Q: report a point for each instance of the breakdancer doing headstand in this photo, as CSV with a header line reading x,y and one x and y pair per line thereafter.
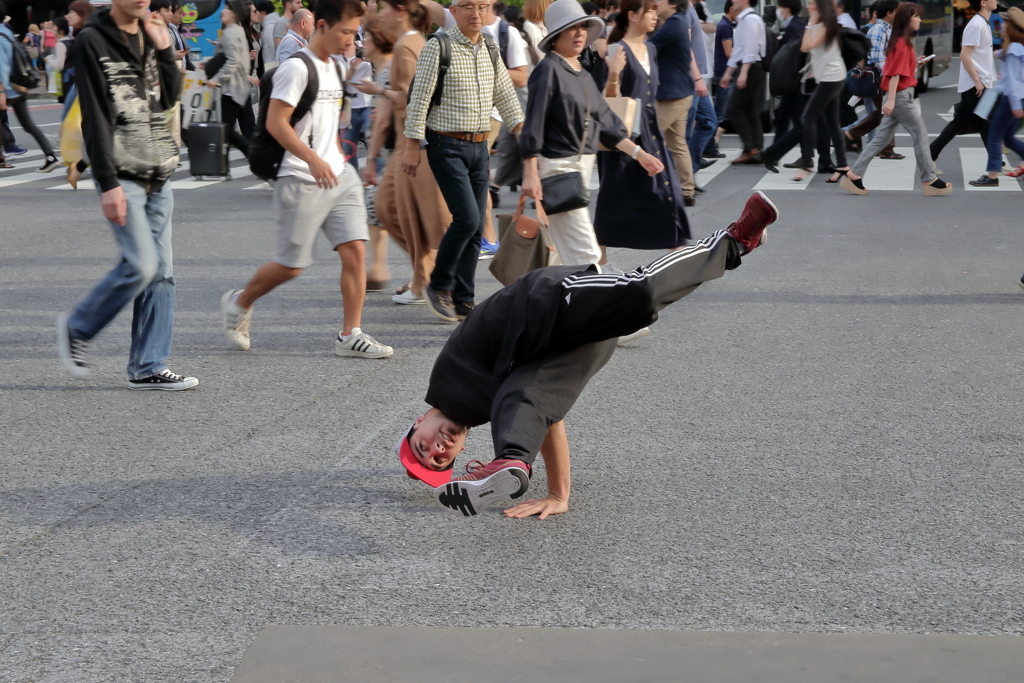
x,y
522,358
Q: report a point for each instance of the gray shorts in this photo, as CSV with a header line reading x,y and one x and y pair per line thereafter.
x,y
303,209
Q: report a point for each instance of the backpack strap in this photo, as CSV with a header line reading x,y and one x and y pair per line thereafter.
x,y
444,62
503,41
492,49
308,99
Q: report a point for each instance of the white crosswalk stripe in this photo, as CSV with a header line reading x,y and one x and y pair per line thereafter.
x,y
889,174
705,176
783,180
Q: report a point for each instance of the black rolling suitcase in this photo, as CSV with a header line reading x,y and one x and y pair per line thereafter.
x,y
208,145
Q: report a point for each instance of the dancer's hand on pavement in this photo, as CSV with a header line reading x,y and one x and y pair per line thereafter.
x,y
322,173
548,505
650,163
115,206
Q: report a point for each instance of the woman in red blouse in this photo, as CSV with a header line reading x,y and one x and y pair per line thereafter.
x,y
898,79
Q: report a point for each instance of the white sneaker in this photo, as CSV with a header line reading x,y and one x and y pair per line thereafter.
x,y
360,345
236,320
407,297
642,332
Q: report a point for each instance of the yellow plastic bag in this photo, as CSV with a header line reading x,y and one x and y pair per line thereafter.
x,y
71,135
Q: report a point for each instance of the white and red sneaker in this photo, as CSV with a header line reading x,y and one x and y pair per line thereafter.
x,y
499,481
749,228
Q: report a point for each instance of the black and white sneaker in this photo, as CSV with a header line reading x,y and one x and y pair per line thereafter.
x,y
71,350
48,165
360,345
165,380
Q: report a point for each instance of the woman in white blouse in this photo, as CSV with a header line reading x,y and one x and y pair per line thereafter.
x,y
535,29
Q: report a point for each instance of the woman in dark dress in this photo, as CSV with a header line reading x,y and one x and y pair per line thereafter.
x,y
634,209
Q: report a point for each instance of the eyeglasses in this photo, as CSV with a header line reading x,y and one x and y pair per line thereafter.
x,y
482,9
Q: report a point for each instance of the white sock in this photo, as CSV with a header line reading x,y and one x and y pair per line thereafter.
x,y
355,330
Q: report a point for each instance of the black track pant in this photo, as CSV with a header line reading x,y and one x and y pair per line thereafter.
x,y
594,311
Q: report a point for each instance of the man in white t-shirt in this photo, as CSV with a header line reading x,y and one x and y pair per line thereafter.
x,y
313,190
977,72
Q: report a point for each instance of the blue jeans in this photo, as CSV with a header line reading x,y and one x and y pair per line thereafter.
x,y
462,171
359,123
145,275
721,100
1001,132
700,128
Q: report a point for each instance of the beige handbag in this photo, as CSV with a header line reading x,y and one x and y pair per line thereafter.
x,y
524,246
626,109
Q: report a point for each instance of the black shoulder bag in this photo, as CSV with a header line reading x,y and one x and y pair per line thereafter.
x,y
567,191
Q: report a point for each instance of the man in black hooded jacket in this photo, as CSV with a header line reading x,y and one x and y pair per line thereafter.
x,y
127,80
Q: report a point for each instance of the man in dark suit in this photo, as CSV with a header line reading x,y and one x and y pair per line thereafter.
x,y
790,106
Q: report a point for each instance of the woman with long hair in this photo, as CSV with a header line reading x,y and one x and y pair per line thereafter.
x,y
378,46
821,40
410,208
235,76
634,209
898,77
559,136
1009,109
534,29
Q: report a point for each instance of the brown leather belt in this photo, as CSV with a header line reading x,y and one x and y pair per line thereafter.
x,y
468,137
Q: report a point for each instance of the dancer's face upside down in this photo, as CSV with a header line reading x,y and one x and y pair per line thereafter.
x,y
436,440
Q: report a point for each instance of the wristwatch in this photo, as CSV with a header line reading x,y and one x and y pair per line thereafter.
x,y
636,152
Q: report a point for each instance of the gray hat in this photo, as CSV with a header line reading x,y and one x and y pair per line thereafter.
x,y
562,14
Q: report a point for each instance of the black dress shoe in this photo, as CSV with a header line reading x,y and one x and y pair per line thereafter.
x,y
770,165
827,169
690,200
698,189
793,164
704,163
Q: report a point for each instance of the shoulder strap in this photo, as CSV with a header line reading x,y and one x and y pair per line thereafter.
x,y
586,121
492,50
503,41
308,98
444,62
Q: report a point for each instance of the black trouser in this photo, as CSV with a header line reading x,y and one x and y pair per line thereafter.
x,y
20,107
594,310
462,171
823,104
230,112
792,137
963,120
744,109
6,136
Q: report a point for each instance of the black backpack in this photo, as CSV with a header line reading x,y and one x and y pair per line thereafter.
x,y
784,78
444,62
265,152
23,77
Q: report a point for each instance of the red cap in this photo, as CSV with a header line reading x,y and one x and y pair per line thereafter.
x,y
415,469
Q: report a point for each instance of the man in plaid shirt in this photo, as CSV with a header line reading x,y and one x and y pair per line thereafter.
x,y
456,135
879,35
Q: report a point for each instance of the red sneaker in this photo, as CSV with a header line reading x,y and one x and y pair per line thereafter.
x,y
496,482
749,228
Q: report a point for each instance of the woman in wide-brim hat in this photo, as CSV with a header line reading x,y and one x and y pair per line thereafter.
x,y
556,118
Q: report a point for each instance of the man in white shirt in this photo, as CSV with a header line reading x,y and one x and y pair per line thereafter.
x,y
842,17
745,100
298,33
977,72
313,190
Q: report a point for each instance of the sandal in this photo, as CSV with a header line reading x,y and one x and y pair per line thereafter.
x,y
803,175
837,176
893,156
4,164
404,288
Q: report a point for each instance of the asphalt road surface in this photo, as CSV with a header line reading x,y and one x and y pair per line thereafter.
x,y
828,439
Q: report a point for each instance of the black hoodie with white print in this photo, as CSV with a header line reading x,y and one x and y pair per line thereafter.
x,y
124,103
